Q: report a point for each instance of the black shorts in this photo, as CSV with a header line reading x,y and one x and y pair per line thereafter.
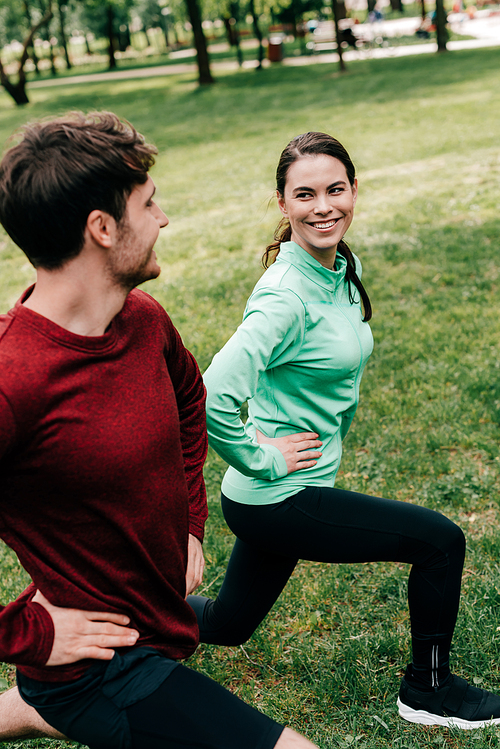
x,y
108,707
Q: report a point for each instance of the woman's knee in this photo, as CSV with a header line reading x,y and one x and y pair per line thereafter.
x,y
446,537
452,535
220,625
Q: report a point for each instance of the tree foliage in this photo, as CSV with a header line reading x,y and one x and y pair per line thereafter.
x,y
116,21
17,89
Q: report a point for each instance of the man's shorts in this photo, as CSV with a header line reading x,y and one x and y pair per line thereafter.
x,y
142,700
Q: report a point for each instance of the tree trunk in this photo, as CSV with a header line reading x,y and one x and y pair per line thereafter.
x,y
257,32
111,37
47,38
34,55
165,29
235,17
63,34
338,36
18,90
441,33
397,5
342,12
53,68
239,54
176,35
123,37
204,74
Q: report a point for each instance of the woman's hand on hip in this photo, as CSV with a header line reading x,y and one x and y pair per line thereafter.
x,y
300,450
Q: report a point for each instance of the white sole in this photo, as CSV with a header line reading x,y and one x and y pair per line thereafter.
x,y
429,719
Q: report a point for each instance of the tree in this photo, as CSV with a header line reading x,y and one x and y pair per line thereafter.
x,y
441,33
18,90
234,9
12,22
104,19
232,30
293,12
62,10
204,74
150,13
110,17
33,55
47,37
338,35
256,31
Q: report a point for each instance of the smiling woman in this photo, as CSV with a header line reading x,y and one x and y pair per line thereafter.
x,y
316,187
318,200
298,358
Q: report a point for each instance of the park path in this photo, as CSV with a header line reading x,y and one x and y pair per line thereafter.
x,y
485,27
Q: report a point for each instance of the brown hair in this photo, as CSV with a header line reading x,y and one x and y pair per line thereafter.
x,y
62,170
312,144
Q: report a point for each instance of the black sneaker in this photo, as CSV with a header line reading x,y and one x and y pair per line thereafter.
x,y
455,704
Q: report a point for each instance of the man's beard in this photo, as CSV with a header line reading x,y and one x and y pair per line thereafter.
x,y
122,264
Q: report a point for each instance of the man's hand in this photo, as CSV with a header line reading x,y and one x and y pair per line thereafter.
x,y
85,634
195,565
299,450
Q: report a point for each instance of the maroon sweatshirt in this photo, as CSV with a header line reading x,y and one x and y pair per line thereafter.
x,y
102,444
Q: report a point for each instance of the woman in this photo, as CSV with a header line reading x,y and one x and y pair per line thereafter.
x,y
297,358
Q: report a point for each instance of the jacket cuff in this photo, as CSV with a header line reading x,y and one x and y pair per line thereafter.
x,y
279,466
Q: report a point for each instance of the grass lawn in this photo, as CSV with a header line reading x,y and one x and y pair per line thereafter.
x,y
425,135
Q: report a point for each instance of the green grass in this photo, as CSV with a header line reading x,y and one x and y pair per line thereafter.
x,y
425,134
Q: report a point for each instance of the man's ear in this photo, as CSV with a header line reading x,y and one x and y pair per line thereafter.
x,y
101,227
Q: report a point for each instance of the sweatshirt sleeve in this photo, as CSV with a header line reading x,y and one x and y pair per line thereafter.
x,y
26,629
26,632
190,396
271,334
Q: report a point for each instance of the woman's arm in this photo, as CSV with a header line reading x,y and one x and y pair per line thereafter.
x,y
271,334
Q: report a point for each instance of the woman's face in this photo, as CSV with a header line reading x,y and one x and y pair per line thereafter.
x,y
319,203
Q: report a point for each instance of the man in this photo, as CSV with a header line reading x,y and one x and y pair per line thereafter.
x,y
102,443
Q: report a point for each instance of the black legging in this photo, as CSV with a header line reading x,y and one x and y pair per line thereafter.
x,y
332,525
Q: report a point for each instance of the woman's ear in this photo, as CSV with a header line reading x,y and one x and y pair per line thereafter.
x,y
281,203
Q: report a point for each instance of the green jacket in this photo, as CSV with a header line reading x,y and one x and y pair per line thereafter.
x,y
297,358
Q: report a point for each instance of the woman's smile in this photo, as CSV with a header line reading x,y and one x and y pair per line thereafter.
x,y
319,202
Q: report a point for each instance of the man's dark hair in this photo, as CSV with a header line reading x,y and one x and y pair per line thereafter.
x,y
61,171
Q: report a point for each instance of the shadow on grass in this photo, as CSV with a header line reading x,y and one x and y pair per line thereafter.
x,y
193,114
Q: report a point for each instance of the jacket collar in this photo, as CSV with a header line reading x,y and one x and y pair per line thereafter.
x,y
292,253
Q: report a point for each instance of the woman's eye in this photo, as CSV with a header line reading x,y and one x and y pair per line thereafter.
x,y
304,195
